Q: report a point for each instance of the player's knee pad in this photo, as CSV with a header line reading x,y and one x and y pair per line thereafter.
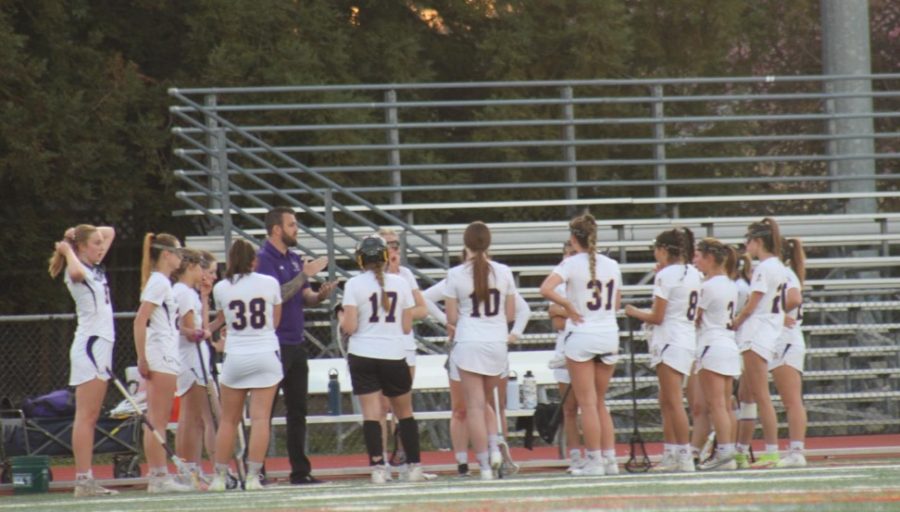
x,y
747,412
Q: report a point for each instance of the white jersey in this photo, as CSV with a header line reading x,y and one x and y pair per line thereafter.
x,y
92,304
718,299
410,278
743,289
249,306
680,286
794,334
161,328
595,300
487,321
188,303
379,332
770,278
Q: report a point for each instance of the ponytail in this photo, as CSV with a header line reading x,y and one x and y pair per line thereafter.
x,y
731,260
768,232
744,268
687,245
794,255
378,269
480,272
189,258
477,239
80,236
678,243
147,259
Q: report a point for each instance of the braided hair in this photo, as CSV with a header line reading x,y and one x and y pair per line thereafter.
x,y
584,229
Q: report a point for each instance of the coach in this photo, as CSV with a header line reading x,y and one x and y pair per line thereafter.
x,y
276,260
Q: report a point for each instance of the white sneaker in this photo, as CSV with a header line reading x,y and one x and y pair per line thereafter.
x,y
414,473
792,460
218,484
592,467
388,472
189,479
720,463
379,474
558,362
576,464
254,483
686,463
88,487
165,483
668,464
496,460
610,466
486,473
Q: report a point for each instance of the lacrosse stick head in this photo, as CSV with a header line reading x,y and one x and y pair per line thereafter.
x,y
638,461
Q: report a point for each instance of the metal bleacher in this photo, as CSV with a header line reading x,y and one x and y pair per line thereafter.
x,y
642,155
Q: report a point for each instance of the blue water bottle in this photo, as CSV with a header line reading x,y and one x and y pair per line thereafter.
x,y
334,393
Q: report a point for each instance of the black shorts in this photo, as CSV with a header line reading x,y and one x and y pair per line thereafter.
x,y
368,375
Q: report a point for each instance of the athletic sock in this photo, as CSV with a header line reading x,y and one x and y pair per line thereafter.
x,y
483,460
669,449
695,452
594,455
409,434
372,437
609,454
462,457
575,454
742,448
253,468
160,471
493,442
725,450
221,469
797,446
772,449
84,476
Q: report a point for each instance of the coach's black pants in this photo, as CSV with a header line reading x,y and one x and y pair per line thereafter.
x,y
294,387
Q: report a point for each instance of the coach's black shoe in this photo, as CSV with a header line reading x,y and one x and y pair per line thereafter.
x,y
462,470
306,480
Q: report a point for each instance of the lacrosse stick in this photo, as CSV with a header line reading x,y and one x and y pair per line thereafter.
x,y
508,466
182,468
638,461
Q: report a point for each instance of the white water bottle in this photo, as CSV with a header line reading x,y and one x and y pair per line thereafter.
x,y
512,392
529,391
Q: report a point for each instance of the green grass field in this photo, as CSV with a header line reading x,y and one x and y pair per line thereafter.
x,y
867,486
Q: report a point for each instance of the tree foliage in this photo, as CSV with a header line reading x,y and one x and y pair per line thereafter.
x,y
84,126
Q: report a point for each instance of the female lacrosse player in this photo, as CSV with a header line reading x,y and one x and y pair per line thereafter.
x,y
718,359
421,311
558,317
156,344
249,304
377,313
80,253
459,433
480,300
191,386
592,299
676,296
790,351
759,325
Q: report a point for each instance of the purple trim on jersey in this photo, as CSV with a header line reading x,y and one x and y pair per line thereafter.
x,y
284,267
89,348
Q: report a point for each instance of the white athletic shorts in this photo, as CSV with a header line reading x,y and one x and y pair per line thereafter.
x,y
82,356
678,358
758,336
720,359
790,354
252,371
561,375
583,347
411,357
480,357
187,377
162,357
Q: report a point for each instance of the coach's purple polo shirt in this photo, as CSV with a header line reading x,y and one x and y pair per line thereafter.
x,y
284,267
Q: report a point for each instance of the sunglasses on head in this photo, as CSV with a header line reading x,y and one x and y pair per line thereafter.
x,y
393,244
